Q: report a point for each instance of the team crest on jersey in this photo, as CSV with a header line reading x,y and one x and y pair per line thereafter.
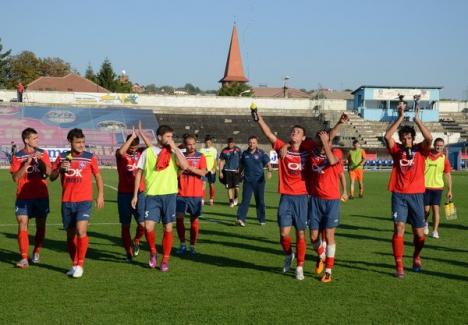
x,y
82,164
319,163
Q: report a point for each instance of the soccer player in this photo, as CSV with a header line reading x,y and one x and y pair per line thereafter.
x,y
189,198
326,176
292,210
158,167
356,161
229,170
437,165
407,186
211,155
252,163
127,157
30,168
76,168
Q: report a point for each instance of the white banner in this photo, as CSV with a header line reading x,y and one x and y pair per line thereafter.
x,y
273,157
55,152
392,94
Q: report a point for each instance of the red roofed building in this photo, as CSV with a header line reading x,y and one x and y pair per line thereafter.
x,y
234,72
279,92
70,82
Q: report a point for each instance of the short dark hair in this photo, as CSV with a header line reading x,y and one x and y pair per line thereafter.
x,y
252,137
229,140
26,133
297,126
189,136
208,138
163,129
135,141
75,133
355,141
439,140
407,129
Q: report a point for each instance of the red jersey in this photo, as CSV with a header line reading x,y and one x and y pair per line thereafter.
x,y
127,165
77,182
408,174
32,185
324,180
291,178
191,185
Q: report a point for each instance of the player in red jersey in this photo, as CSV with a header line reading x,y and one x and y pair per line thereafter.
x,y
127,157
76,168
190,195
30,168
326,176
407,185
292,210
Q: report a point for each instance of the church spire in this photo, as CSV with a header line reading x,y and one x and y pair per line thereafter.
x,y
234,72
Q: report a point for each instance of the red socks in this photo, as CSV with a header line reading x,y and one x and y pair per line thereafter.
x,y
418,245
82,247
23,243
180,229
212,192
194,228
140,231
330,260
286,244
39,239
150,238
398,248
72,244
126,239
167,246
300,249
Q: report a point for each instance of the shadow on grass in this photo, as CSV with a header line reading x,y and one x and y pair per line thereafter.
x,y
354,227
235,235
10,257
437,259
371,217
223,261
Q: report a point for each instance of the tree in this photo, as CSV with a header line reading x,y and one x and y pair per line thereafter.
x,y
54,67
89,74
235,89
4,58
24,67
106,76
151,89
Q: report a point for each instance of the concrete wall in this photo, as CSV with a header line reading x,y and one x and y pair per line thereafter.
x,y
173,104
452,106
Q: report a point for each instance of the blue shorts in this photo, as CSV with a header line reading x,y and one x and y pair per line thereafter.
x,y
210,178
32,208
323,214
124,205
432,197
160,208
189,205
408,208
292,211
72,212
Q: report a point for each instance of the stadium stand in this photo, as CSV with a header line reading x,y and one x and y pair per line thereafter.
x,y
455,122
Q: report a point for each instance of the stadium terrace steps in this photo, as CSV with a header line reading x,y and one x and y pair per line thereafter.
x,y
231,111
240,127
369,133
455,122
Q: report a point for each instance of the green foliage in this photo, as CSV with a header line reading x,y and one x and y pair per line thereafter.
x,y
54,67
89,73
106,77
4,71
235,89
236,277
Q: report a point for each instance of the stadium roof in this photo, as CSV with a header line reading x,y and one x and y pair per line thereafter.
x,y
398,87
70,82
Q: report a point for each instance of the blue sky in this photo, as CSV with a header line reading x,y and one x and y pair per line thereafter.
x,y
337,44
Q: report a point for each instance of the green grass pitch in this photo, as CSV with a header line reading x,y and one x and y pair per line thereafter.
x,y
237,277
